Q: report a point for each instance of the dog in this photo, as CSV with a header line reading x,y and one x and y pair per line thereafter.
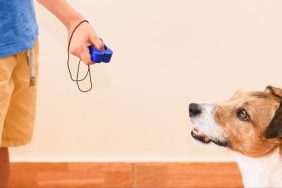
x,y
250,125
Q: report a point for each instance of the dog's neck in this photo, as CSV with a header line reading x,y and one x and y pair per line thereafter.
x,y
261,172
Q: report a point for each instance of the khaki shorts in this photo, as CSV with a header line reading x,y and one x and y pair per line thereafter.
x,y
17,99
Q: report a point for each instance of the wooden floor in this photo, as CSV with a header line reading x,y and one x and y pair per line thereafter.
x,y
125,175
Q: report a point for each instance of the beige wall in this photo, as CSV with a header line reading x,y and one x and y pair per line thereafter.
x,y
167,54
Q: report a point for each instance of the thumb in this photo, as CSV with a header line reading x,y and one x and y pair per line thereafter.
x,y
97,43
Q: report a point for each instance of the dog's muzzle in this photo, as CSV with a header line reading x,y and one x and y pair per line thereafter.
x,y
196,111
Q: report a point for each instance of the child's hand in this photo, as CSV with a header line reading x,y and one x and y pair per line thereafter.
x,y
83,37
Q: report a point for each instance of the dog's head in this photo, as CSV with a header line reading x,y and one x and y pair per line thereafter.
x,y
249,122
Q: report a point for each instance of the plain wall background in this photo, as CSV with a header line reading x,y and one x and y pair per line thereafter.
x,y
167,53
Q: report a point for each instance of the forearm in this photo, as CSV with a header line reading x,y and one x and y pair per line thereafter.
x,y
63,11
85,34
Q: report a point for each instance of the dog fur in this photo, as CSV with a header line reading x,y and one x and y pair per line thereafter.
x,y
250,125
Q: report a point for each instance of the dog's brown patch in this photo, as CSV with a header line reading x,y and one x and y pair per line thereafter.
x,y
274,91
248,136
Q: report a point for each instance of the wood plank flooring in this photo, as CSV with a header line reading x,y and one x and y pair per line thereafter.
x,y
125,175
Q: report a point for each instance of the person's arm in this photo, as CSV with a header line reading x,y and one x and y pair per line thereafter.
x,y
84,35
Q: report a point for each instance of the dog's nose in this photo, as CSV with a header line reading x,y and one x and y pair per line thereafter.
x,y
194,109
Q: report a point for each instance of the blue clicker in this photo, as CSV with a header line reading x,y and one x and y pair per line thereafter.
x,y
98,56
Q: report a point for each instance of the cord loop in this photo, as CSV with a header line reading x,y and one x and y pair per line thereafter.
x,y
88,71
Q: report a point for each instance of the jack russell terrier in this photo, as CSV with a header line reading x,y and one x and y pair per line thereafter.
x,y
250,125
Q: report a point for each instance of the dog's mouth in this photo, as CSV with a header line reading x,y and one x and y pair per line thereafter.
x,y
198,135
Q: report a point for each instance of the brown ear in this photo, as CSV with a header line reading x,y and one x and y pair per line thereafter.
x,y
274,91
274,129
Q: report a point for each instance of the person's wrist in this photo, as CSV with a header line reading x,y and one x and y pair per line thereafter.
x,y
73,23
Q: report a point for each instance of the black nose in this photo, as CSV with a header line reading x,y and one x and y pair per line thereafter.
x,y
194,109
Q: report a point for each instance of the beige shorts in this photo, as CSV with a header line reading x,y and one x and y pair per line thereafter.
x,y
17,98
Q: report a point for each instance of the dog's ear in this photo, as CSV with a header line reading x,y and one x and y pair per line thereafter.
x,y
274,129
274,91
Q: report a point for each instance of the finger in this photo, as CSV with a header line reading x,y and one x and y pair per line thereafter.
x,y
85,56
97,43
75,51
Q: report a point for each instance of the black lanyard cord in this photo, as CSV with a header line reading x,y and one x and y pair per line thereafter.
x,y
77,80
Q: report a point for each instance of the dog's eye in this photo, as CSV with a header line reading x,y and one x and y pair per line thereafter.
x,y
243,115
